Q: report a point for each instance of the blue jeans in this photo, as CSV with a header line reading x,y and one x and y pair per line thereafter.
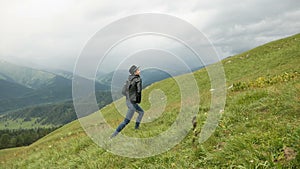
x,y
132,107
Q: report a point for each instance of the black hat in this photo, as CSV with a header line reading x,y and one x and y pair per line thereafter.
x,y
132,69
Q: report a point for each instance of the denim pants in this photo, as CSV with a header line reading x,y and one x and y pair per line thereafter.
x,y
132,107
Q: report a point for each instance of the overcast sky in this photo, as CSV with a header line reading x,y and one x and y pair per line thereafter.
x,y
52,33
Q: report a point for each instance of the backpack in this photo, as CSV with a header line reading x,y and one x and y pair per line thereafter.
x,y
126,87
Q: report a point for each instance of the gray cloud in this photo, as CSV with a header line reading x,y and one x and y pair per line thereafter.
x,y
243,25
53,33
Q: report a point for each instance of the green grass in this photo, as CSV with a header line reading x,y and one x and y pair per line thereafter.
x,y
259,127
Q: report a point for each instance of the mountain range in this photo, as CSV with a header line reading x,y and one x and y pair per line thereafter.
x,y
43,96
23,87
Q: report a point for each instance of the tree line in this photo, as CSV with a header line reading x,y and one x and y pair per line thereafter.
x,y
22,137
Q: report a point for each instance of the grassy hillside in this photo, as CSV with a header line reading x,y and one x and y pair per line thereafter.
x,y
259,127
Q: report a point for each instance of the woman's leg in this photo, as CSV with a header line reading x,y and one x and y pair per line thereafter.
x,y
140,111
130,112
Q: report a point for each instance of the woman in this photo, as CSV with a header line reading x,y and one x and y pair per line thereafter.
x,y
133,98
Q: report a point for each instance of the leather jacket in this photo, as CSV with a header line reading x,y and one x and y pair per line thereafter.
x,y
135,89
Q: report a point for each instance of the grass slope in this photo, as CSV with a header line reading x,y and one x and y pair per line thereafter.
x,y
259,127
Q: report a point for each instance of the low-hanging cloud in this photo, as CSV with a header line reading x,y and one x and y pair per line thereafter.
x,y
53,33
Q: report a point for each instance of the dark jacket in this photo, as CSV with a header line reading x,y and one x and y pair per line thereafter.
x,y
135,89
